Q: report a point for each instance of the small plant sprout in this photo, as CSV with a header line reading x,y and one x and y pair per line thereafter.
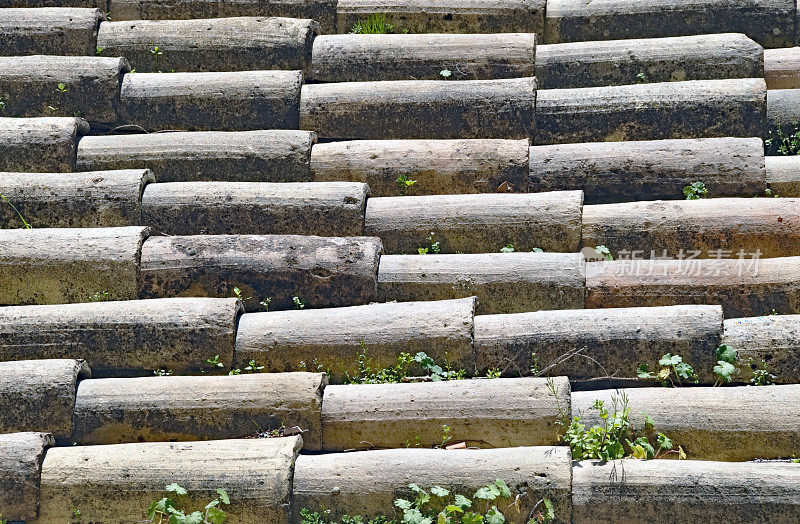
x,y
779,144
157,53
99,50
489,505
432,247
493,373
251,367
162,372
534,364
375,24
603,252
672,366
509,248
445,73
434,371
324,517
299,303
168,510
446,435
398,372
695,191
62,88
725,367
537,250
215,362
404,183
641,78
2,110
238,294
102,296
761,375
25,223
484,507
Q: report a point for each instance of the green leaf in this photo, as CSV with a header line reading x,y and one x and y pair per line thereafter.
x,y
194,518
493,516
724,370
615,450
727,354
216,516
670,360
684,370
424,360
664,441
440,491
644,443
603,252
176,489
642,372
503,487
471,518
452,509
488,492
212,504
414,516
159,506
403,504
223,496
638,452
462,501
549,510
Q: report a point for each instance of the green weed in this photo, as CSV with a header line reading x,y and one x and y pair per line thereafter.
x,y
251,367
404,183
238,294
168,510
604,252
726,364
671,366
102,296
484,507
25,223
779,144
375,24
695,191
761,375
615,438
433,246
398,372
